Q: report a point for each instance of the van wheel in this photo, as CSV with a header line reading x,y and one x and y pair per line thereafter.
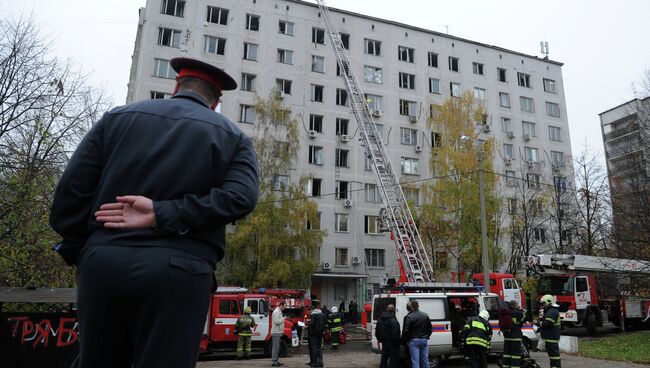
x,y
284,348
435,361
590,323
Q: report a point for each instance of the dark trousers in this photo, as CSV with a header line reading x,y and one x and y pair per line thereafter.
x,y
511,353
336,336
315,344
141,306
389,354
553,351
477,357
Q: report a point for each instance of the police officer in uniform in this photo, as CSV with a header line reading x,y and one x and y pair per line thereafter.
x,y
512,337
142,207
550,326
244,330
334,324
479,334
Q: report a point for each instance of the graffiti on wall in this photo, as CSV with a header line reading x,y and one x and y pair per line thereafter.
x,y
37,330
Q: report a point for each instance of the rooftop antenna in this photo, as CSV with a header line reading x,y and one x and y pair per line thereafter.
x,y
544,48
446,27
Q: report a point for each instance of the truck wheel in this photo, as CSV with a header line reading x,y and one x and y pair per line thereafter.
x,y
435,361
590,322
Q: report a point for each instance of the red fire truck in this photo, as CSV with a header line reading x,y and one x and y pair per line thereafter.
x,y
226,305
503,284
594,290
298,307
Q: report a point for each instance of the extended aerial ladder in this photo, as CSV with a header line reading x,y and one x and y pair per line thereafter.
x,y
415,265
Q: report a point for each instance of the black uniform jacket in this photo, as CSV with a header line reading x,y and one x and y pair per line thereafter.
x,y
197,166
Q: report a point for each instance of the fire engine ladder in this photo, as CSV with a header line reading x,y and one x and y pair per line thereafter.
x,y
414,262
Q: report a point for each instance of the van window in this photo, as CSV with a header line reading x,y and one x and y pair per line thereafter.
x,y
434,307
254,305
380,307
228,306
466,306
491,304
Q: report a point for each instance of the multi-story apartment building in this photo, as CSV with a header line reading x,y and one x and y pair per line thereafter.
x,y
283,44
626,138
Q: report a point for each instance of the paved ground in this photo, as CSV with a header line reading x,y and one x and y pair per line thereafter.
x,y
358,354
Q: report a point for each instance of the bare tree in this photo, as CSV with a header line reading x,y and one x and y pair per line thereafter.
x,y
45,109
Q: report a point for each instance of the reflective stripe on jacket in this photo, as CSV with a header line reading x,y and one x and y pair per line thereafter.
x,y
550,325
480,332
244,325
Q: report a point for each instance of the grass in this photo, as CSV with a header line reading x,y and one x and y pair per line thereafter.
x,y
629,347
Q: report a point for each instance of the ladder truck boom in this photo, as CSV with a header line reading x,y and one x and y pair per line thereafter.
x,y
576,262
415,266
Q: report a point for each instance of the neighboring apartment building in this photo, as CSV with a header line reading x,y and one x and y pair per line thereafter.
x,y
626,137
283,44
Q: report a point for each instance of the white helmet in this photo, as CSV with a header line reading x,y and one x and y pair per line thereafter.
x,y
335,310
484,314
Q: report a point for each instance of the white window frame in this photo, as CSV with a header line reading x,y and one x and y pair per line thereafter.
x,y
410,166
283,85
523,79
375,102
289,27
315,155
506,125
280,183
285,56
504,99
341,97
532,154
455,89
373,74
342,189
508,150
342,158
557,158
555,133
250,25
406,54
221,16
173,38
213,44
549,85
527,104
341,222
179,7
246,114
371,193
480,93
406,80
372,47
432,59
408,136
316,35
552,109
250,51
375,258
434,85
454,64
248,82
317,64
162,69
528,127
478,68
371,225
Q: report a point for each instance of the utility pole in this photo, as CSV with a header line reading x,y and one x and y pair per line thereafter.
x,y
486,268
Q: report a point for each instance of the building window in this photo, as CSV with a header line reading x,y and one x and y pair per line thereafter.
x,y
557,158
508,150
341,254
406,81
372,47
566,236
527,104
531,154
554,133
409,136
405,54
511,181
283,85
345,40
214,45
173,7
433,59
162,69
523,79
408,108
341,224
560,183
286,28
280,183
372,74
453,63
412,196
506,125
252,22
501,73
552,109
285,56
371,225
549,86
477,68
342,126
341,97
367,163
342,189
375,102
317,64
250,51
434,85
504,99
155,95
512,206
342,158
169,37
375,258
317,93
480,94
454,89
435,139
217,15
316,123
532,180
540,235
372,194
314,187
529,128
314,225
248,82
246,114
410,166
316,155
318,35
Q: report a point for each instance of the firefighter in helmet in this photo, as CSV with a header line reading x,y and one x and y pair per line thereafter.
x,y
334,324
479,334
550,329
244,330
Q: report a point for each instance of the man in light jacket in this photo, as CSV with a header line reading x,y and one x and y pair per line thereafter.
x,y
276,332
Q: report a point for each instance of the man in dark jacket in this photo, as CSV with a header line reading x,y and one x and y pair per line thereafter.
x,y
415,333
479,334
550,326
388,334
316,328
142,208
512,337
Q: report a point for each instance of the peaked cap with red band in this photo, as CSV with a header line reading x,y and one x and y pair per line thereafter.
x,y
186,67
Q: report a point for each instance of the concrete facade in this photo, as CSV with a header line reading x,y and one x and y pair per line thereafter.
x,y
354,277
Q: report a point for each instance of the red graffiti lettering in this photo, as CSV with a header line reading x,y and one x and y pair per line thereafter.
x,y
28,328
43,333
69,332
17,321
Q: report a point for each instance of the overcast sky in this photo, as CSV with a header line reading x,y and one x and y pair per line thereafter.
x,y
604,45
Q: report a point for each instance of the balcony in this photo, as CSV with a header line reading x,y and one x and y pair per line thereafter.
x,y
619,132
